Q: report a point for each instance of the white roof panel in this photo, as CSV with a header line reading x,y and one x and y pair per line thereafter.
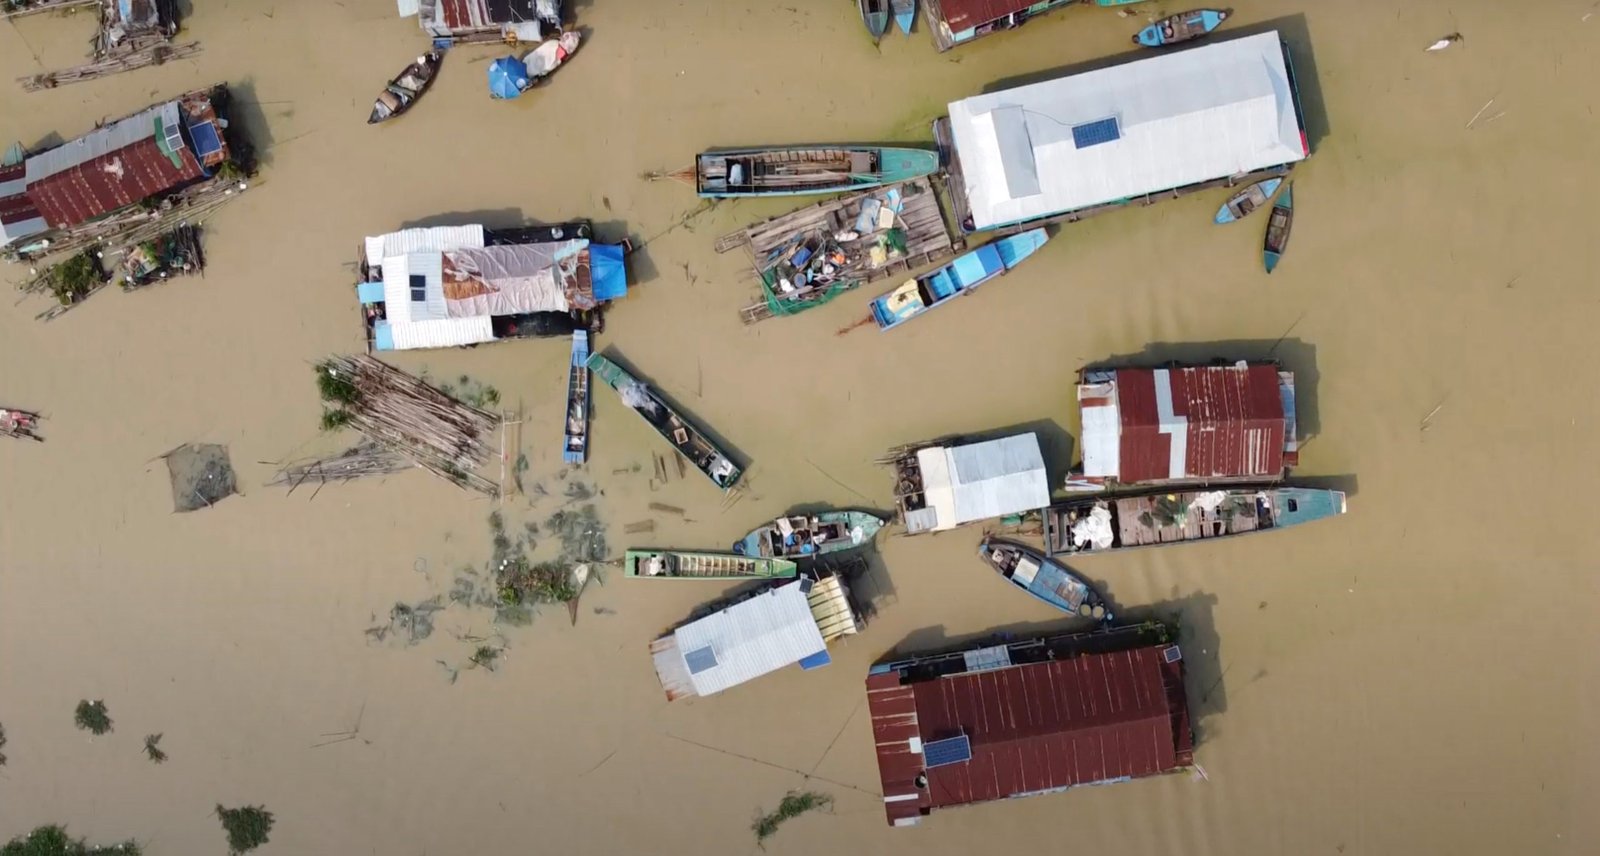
x,y
435,238
1102,430
1181,118
980,481
441,333
749,639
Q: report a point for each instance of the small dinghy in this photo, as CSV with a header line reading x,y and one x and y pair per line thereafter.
x,y
1245,202
22,424
1277,240
1181,27
875,14
905,14
404,90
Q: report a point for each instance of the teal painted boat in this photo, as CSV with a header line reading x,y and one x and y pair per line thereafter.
x,y
875,14
905,14
685,565
962,276
1044,579
803,170
1278,225
1151,519
1245,202
691,442
1181,27
806,536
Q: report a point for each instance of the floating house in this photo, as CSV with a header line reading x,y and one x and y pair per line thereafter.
x,y
774,627
1028,718
485,21
956,22
947,483
1224,114
451,286
1188,424
156,151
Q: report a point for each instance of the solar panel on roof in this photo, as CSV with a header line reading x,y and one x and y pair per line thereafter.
x,y
1095,133
206,141
700,659
952,750
1172,654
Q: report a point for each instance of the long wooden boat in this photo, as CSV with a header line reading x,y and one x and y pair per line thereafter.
x,y
905,14
404,90
1181,27
805,536
875,14
1101,524
1278,225
682,565
690,441
21,424
575,450
1246,201
801,170
1044,578
961,276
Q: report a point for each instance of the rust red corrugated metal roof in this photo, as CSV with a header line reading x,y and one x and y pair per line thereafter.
x,y
1034,727
111,181
1230,420
965,14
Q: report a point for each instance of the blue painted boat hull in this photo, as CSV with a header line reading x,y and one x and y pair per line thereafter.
x,y
575,443
1246,201
1181,27
876,17
1044,579
905,14
961,276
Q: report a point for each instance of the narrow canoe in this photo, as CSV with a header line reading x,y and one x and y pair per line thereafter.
x,y
802,170
875,14
1102,524
22,424
905,14
961,276
1044,578
404,90
679,564
575,449
691,442
811,535
1245,202
1181,27
1278,225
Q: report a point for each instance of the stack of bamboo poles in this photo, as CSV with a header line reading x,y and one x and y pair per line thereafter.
x,y
444,436
114,62
367,458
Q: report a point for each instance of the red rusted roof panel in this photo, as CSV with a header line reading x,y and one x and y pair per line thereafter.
x,y
1229,419
111,181
1033,727
965,14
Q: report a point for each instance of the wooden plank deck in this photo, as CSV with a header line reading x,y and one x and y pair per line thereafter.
x,y
929,238
1197,524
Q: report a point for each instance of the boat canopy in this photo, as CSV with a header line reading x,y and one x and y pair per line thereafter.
x,y
607,271
979,481
1126,131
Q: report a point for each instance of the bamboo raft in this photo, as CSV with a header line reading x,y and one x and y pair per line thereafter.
x,y
41,6
122,60
441,434
367,458
928,237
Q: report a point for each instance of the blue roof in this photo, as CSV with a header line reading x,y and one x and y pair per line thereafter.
x,y
206,139
953,750
607,272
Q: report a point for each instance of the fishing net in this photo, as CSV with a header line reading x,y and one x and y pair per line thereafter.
x,y
201,475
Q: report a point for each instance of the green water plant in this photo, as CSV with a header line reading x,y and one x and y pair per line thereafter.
x,y
794,804
92,717
152,749
247,827
53,840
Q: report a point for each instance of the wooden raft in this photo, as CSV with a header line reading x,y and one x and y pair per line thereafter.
x,y
928,237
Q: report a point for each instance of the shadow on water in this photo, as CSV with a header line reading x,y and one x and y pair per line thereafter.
x,y
1295,355
1194,615
250,132
490,218
733,452
181,11
1346,482
1291,28
48,141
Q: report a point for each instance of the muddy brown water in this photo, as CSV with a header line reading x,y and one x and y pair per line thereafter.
x,y
1415,677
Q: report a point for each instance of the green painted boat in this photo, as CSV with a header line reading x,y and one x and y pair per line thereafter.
x,y
805,536
683,565
690,441
803,170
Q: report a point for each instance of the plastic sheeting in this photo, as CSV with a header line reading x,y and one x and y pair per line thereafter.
x,y
1094,529
608,271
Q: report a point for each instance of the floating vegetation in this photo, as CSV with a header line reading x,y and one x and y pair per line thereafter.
x,y
54,841
582,534
480,395
484,657
410,622
91,716
152,750
578,491
2,745
522,582
247,827
794,804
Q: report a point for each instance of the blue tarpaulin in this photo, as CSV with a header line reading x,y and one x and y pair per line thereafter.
x,y
507,77
608,272
369,292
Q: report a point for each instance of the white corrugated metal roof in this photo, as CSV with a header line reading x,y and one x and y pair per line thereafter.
x,y
101,141
439,238
442,333
1181,118
980,481
1102,429
749,639
398,305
